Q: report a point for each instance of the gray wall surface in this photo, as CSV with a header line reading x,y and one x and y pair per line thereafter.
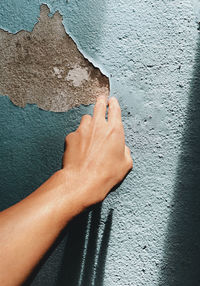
x,y
147,231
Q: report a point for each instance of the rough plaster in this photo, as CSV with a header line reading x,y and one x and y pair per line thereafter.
x,y
151,50
45,67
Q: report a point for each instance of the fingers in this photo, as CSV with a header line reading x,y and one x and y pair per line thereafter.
x,y
114,111
85,124
128,156
85,120
100,108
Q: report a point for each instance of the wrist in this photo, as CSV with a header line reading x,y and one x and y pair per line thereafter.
x,y
83,188
58,198
70,193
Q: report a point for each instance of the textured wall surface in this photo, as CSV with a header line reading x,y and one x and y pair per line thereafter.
x,y
147,232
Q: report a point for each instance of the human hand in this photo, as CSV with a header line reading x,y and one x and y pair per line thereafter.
x,y
95,160
96,157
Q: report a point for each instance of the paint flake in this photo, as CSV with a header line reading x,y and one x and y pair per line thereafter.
x,y
45,67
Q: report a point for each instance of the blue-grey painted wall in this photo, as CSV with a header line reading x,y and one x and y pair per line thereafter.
x,y
147,232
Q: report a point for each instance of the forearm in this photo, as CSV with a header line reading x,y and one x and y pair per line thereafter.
x,y
30,227
96,159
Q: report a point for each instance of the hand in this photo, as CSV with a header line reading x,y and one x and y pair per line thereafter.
x,y
96,157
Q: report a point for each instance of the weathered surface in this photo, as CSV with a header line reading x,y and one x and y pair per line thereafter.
x,y
45,67
152,51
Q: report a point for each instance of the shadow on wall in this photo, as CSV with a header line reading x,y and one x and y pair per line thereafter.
x,y
81,264
78,266
181,262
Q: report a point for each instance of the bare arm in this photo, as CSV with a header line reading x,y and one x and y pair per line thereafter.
x,y
96,159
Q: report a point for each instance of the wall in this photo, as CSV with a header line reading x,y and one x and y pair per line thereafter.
x,y
147,231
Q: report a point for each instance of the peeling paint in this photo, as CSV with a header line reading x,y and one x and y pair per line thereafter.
x,y
78,75
45,67
149,49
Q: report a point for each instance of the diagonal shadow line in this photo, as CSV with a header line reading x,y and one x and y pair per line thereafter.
x,y
88,270
181,259
100,268
74,260
73,253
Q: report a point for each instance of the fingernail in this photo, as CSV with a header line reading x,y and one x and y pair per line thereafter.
x,y
101,97
112,98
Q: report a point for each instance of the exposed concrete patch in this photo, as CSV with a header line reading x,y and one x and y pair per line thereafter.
x,y
78,75
45,67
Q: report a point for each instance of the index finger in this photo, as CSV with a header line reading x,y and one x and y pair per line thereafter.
x,y
100,107
114,110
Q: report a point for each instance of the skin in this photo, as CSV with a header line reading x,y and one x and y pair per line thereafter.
x,y
95,160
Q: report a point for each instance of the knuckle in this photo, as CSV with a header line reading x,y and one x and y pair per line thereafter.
x,y
81,130
85,120
86,116
130,163
69,136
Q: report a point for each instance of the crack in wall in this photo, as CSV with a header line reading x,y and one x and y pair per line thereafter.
x,y
46,68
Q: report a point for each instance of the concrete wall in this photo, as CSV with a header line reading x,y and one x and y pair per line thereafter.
x,y
147,232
